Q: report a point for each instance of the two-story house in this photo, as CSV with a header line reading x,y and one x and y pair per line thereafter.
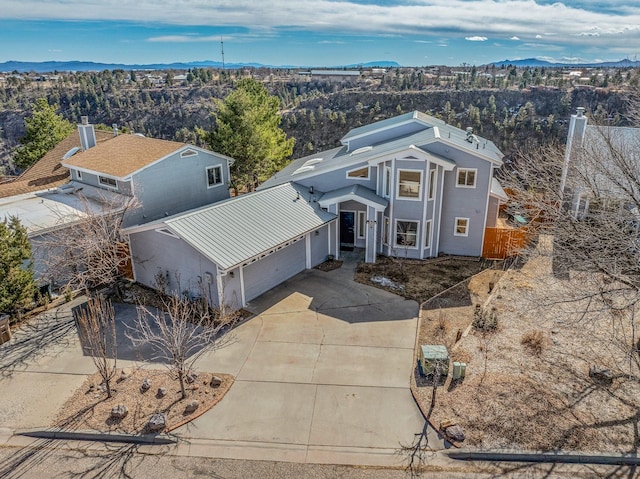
x,y
101,170
410,186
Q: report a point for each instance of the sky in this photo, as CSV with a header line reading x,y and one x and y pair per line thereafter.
x,y
320,33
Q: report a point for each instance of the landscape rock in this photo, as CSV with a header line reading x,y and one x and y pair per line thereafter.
x,y
215,382
157,422
146,384
191,406
123,375
454,433
119,412
162,392
601,374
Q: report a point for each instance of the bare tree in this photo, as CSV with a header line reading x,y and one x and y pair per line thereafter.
x,y
88,250
182,332
589,227
97,325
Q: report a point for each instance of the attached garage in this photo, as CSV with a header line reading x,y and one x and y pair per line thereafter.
x,y
256,241
265,273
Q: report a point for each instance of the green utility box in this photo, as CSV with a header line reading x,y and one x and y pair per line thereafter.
x,y
433,354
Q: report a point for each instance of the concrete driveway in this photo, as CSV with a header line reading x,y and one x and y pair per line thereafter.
x,y
322,376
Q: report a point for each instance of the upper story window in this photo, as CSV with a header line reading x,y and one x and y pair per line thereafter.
x,y
359,174
466,178
106,181
387,182
188,152
409,184
214,176
79,174
432,184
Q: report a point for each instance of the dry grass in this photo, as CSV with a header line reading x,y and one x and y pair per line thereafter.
x,y
527,383
421,280
90,409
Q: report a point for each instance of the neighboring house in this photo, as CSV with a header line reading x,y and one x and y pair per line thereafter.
x,y
410,186
47,172
165,177
602,164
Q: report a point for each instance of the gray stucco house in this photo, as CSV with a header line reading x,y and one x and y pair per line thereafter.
x,y
409,186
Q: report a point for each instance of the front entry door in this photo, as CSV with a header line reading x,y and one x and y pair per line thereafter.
x,y
347,229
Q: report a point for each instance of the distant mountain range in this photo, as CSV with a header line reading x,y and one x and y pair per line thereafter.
x,y
80,66
534,62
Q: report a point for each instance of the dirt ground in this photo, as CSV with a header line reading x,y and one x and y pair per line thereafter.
x,y
90,409
527,383
420,280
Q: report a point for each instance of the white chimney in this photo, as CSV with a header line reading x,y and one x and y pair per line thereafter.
x,y
87,134
577,129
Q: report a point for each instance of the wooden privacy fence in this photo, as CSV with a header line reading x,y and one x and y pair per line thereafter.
x,y
502,243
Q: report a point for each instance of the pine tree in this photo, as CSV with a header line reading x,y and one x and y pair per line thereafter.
x,y
247,128
17,286
45,129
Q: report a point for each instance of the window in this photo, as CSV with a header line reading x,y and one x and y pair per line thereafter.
x,y
406,233
359,174
387,182
187,153
79,174
362,224
466,178
427,234
110,182
214,176
409,183
461,227
432,184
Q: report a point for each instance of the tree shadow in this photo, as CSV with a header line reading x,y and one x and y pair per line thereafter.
x,y
34,339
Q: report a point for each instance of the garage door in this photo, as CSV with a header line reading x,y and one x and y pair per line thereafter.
x,y
272,270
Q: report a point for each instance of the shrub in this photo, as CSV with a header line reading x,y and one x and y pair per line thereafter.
x,y
485,320
535,341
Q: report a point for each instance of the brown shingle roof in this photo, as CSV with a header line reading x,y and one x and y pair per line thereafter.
x,y
47,172
123,155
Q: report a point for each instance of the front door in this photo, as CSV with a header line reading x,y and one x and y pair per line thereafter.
x,y
347,229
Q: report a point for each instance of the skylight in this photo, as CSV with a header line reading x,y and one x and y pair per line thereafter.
x,y
361,150
303,169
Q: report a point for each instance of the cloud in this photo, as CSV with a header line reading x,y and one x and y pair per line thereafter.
x,y
331,42
183,39
423,41
476,39
514,38
54,50
618,22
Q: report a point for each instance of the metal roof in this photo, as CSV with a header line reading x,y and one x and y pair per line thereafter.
x,y
47,210
236,230
357,193
435,131
497,190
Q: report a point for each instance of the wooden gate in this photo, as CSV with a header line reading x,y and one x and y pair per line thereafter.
x,y
502,243
125,265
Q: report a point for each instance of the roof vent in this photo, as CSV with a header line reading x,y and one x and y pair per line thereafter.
x,y
115,129
470,136
139,134
312,161
361,150
303,169
70,153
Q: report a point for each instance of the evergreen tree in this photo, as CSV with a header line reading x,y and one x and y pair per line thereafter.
x,y
17,287
45,129
247,128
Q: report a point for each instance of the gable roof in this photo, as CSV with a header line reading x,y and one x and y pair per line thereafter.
x,y
421,142
422,121
48,172
237,230
123,155
354,192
